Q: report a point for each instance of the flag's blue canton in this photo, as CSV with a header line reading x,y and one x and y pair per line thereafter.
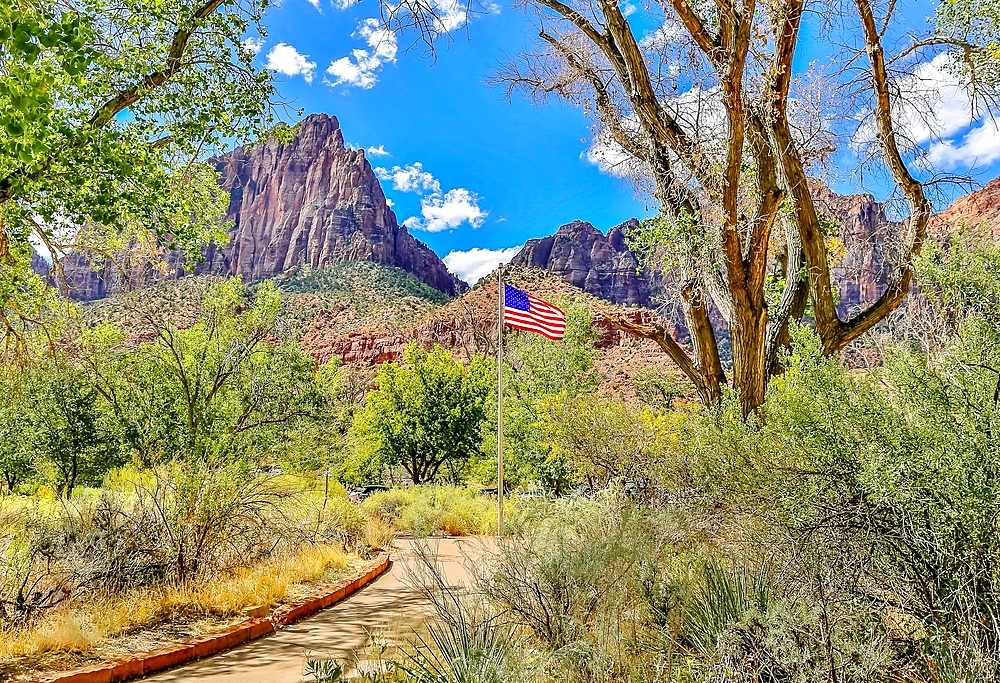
x,y
515,298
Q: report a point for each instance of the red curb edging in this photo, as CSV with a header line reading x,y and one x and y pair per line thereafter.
x,y
159,660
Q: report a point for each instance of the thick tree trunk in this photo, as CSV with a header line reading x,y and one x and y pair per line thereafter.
x,y
748,334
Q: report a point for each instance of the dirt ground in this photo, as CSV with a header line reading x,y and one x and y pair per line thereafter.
x,y
389,606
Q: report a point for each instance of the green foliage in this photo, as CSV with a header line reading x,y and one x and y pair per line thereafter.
x,y
324,670
224,387
66,434
975,23
670,245
535,368
963,279
318,444
381,284
444,511
722,599
603,439
573,571
424,415
657,389
890,476
101,125
16,463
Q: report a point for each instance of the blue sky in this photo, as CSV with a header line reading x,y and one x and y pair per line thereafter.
x,y
474,175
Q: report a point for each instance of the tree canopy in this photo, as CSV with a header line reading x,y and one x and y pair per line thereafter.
x,y
425,414
107,109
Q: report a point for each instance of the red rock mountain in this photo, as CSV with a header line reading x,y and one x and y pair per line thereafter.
x,y
599,264
467,325
310,202
977,208
604,266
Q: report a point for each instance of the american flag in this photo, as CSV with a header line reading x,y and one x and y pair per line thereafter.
x,y
525,312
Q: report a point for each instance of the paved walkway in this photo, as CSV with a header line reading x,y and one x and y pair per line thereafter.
x,y
389,604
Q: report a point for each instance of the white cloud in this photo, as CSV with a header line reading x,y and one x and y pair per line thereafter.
x,y
360,69
341,4
933,111
439,210
253,44
447,211
451,14
698,111
379,151
933,103
668,32
476,263
411,178
315,3
609,156
286,60
979,147
628,9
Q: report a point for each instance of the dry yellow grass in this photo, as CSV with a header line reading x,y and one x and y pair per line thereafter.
x,y
87,623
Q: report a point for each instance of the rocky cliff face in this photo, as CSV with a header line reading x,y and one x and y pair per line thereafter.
x,y
40,266
604,266
977,208
859,264
309,202
599,264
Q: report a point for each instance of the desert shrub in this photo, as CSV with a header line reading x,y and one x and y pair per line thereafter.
x,y
212,518
605,439
885,481
899,476
29,584
180,524
444,510
346,522
572,570
439,510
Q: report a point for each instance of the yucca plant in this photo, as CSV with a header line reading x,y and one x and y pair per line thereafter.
x,y
461,651
324,671
465,642
722,599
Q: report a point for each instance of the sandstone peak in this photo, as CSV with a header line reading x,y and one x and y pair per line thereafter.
x,y
981,207
309,202
599,264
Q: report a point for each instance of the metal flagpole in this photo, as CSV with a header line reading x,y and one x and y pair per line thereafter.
x,y
500,401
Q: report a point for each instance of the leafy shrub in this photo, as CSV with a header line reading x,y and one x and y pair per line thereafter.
x,y
437,510
572,570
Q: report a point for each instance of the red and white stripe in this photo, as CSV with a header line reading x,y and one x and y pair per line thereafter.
x,y
544,318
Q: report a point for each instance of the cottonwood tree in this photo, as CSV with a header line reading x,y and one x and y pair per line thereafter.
x,y
424,415
105,108
225,387
711,113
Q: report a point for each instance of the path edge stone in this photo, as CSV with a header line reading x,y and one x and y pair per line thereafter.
x,y
135,666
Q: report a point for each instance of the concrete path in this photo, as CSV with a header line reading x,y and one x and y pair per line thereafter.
x,y
389,605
